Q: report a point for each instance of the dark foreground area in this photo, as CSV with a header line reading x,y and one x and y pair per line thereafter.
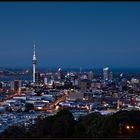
x,y
123,124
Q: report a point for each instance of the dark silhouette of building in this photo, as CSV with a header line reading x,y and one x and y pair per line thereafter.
x,y
37,78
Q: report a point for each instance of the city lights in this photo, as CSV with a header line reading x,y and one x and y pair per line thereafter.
x,y
127,127
70,70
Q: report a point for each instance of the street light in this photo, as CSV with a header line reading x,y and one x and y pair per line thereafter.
x,y
127,127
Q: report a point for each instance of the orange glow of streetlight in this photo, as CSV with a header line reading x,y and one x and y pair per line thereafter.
x,y
127,127
57,107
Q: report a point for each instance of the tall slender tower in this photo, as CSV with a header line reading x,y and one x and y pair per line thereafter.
x,y
34,60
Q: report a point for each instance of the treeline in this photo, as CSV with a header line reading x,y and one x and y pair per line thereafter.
x,y
123,124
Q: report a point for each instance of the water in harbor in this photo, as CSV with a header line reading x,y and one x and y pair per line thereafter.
x,y
17,77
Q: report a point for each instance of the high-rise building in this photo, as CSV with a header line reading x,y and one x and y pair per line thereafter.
x,y
106,73
37,77
16,85
60,74
85,84
111,76
34,60
45,80
90,75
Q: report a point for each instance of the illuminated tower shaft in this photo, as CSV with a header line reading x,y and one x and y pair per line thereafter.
x,y
34,60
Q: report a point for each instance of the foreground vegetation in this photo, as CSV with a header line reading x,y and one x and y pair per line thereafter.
x,y
123,124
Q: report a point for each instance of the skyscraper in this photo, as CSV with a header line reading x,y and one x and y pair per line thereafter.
x,y
37,77
16,85
34,60
106,73
60,74
111,76
90,75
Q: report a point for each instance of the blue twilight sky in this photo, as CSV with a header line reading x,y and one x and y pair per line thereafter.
x,y
70,34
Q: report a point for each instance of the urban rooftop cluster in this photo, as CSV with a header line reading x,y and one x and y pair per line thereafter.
x,y
22,101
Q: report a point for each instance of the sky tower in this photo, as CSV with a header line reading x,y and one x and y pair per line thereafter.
x,y
34,63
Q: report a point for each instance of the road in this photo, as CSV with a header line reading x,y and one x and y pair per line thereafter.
x,y
51,107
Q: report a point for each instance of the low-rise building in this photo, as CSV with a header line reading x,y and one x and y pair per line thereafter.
x,y
75,95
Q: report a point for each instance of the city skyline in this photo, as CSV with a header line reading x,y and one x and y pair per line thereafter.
x,y
70,34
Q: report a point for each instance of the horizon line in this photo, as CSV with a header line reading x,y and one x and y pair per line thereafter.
x,y
56,67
